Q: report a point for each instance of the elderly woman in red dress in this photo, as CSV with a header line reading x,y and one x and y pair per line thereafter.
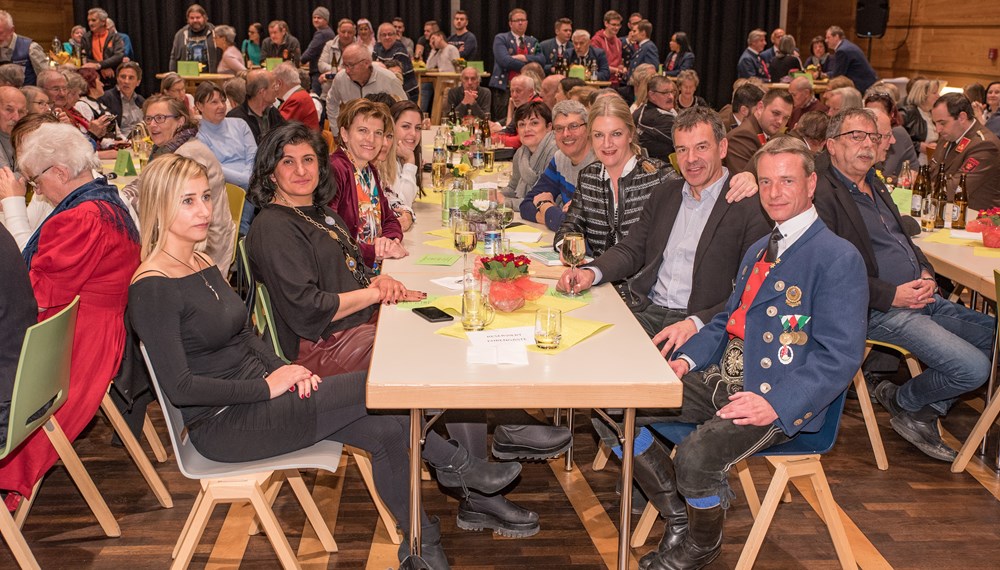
x,y
88,246
360,199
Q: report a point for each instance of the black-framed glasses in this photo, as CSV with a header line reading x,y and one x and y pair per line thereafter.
x,y
158,119
33,181
668,92
859,136
572,127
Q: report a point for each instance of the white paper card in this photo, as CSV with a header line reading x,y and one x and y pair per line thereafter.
x,y
513,336
962,234
449,283
523,237
516,355
484,185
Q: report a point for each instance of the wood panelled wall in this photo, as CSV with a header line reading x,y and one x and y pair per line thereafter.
x,y
41,20
947,39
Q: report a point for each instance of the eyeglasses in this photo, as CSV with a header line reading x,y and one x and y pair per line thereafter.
x,y
859,136
58,89
572,127
33,181
667,92
158,119
353,64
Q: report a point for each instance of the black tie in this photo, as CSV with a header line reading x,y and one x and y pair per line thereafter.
x,y
772,246
520,43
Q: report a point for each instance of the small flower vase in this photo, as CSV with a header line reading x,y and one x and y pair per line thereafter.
x,y
506,296
991,236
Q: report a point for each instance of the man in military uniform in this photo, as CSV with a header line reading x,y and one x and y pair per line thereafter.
x,y
767,120
511,51
767,367
967,147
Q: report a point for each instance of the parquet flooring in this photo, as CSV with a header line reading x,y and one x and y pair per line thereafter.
x,y
915,515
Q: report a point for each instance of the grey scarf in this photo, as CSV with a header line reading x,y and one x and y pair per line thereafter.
x,y
528,167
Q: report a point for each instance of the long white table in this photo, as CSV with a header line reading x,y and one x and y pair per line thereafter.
x,y
413,368
958,263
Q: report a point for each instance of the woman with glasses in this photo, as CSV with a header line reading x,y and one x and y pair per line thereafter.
x,y
19,217
89,247
538,146
174,132
361,200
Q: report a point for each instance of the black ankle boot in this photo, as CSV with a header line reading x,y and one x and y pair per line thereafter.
x,y
653,470
431,552
466,471
505,518
700,547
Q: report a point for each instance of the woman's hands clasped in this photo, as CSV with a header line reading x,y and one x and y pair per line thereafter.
x,y
290,378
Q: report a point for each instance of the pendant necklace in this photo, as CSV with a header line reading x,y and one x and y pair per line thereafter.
x,y
197,272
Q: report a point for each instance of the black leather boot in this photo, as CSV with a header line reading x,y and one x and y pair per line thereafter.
x,y
466,471
653,470
432,553
700,547
505,518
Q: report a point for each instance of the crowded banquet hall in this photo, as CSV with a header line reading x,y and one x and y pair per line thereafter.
x,y
623,284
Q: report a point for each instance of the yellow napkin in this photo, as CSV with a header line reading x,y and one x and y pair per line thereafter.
x,y
441,233
944,237
983,251
430,197
574,331
564,304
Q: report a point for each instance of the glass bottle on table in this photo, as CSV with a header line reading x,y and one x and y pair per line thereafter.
x,y
960,205
919,192
439,162
573,251
940,198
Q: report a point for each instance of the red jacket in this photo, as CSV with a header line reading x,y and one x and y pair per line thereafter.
x,y
300,107
345,203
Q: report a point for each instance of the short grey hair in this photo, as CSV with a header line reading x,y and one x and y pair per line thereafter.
x,y
12,74
101,14
786,145
76,82
693,116
755,35
569,107
837,122
32,92
57,144
581,33
226,32
257,81
287,74
6,19
851,98
43,78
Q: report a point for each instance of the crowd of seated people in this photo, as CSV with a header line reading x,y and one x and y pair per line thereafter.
x,y
328,141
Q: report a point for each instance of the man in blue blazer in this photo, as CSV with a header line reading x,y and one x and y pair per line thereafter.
x,y
849,60
585,54
647,52
767,367
750,63
559,46
511,51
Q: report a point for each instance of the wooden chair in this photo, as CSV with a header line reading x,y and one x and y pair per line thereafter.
x,y
264,322
798,458
42,379
244,482
989,415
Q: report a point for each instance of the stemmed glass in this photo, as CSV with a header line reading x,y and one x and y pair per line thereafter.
x,y
506,215
465,240
141,143
573,252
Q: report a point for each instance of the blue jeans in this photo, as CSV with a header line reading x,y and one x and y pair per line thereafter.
x,y
953,342
427,97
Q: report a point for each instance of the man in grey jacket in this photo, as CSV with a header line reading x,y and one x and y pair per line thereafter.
x,y
196,41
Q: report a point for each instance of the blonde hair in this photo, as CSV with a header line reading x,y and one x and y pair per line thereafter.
x,y
388,169
920,89
640,81
617,108
161,183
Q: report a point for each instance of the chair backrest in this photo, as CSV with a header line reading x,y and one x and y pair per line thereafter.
x,y
42,377
264,316
237,196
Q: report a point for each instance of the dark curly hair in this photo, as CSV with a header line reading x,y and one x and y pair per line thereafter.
x,y
272,149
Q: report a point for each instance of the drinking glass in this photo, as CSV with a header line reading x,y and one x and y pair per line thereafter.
x,y
477,313
488,162
506,215
573,252
548,328
465,239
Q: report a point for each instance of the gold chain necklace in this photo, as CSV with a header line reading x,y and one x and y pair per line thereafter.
x,y
349,258
197,272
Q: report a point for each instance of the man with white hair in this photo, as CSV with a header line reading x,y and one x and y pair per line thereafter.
x,y
296,104
389,48
258,108
469,98
21,50
842,99
803,100
591,57
103,49
13,106
522,90
750,63
359,78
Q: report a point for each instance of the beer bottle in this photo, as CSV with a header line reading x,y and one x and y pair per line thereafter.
x,y
940,199
961,205
919,192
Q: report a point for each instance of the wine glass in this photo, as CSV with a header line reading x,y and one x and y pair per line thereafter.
x,y
465,239
506,215
142,145
573,251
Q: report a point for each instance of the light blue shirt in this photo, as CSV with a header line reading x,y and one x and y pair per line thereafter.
x,y
232,143
673,280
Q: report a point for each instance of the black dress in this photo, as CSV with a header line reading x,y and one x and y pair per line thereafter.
x,y
18,311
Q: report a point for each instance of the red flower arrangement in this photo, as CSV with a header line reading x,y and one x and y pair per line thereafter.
x,y
988,223
510,285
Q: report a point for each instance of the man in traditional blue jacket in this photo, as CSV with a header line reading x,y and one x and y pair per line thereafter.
x,y
511,51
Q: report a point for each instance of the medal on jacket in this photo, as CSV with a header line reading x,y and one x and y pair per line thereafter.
x,y
792,325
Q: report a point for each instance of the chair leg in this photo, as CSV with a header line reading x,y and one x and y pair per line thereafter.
x,y
913,365
187,524
749,489
644,526
365,467
425,474
197,521
763,520
25,507
871,423
979,431
831,516
11,533
273,529
312,511
80,476
136,452
159,452
601,459
273,489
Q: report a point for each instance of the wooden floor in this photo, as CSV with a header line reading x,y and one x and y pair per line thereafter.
x,y
916,515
